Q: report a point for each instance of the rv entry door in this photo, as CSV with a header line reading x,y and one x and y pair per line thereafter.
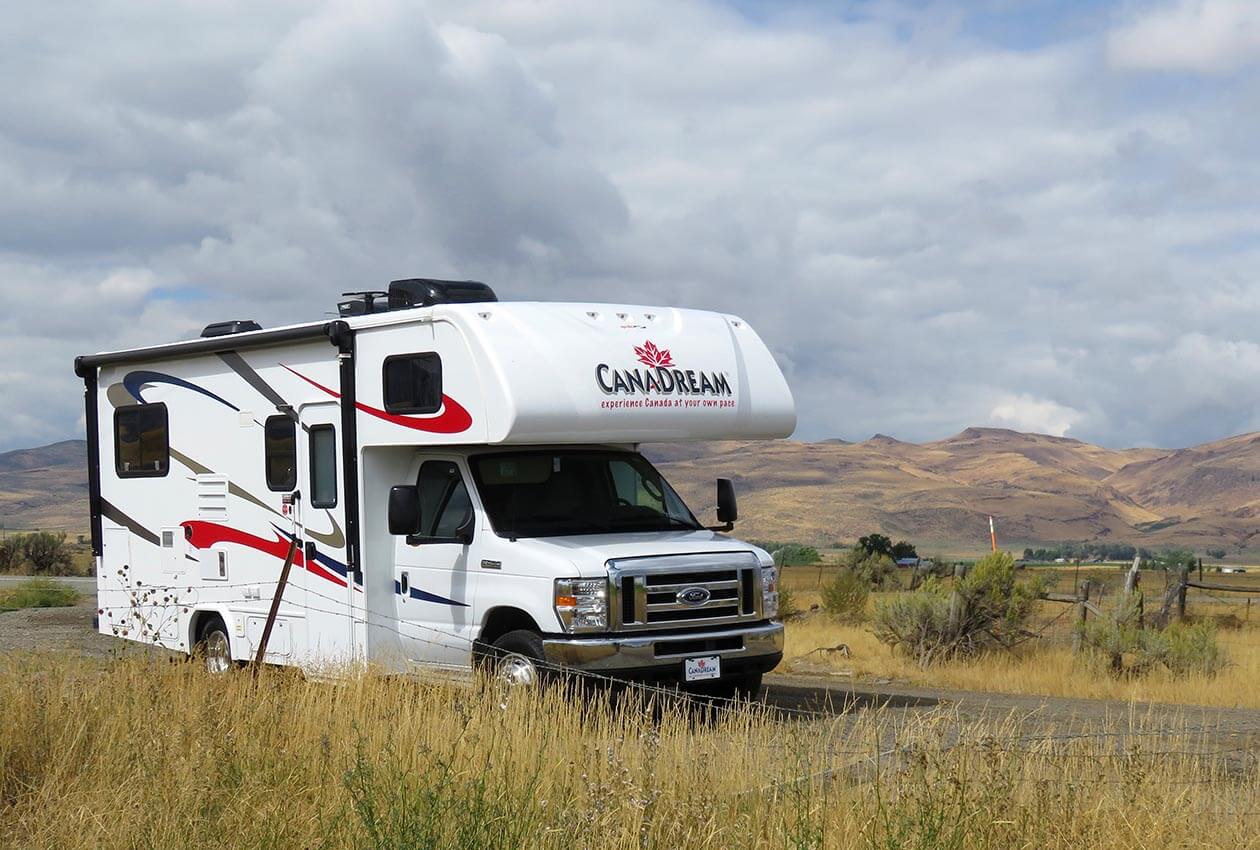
x,y
330,587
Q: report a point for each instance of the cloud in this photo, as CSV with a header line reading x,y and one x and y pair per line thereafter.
x,y
930,229
1209,36
1038,415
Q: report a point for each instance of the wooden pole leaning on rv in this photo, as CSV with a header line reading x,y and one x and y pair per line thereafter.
x,y
275,607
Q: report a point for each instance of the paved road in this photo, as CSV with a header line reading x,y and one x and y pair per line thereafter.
x,y
84,585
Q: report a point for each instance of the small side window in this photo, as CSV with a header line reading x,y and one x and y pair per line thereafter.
x,y
413,383
142,447
280,453
323,439
444,502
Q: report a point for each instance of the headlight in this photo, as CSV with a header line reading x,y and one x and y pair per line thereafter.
x,y
582,604
770,591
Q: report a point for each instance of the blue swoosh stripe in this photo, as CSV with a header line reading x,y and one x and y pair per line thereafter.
x,y
423,596
134,381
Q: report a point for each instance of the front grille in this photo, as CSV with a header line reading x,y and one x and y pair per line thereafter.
x,y
669,591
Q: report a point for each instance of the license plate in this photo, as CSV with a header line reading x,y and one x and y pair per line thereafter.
x,y
699,669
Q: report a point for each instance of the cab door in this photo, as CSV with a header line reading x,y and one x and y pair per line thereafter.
x,y
433,582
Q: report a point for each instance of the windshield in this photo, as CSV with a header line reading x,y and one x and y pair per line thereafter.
x,y
555,493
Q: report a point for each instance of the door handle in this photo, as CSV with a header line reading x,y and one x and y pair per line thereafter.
x,y
404,584
310,551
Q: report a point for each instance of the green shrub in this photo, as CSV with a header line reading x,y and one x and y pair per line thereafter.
x,y
787,604
845,595
990,609
796,555
12,555
876,570
1130,650
37,593
46,552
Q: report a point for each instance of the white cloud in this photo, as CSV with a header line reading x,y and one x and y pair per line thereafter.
x,y
1039,415
929,230
1189,35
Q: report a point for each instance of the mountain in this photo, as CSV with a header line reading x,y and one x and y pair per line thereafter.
x,y
1039,489
45,487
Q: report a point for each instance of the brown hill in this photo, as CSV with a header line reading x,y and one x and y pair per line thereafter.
x,y
1040,489
45,487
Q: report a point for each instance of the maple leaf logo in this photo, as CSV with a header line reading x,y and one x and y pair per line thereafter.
x,y
650,355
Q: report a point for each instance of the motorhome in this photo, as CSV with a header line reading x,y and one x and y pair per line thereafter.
x,y
453,480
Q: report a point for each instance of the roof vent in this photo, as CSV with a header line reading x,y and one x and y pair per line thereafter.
x,y
424,292
237,326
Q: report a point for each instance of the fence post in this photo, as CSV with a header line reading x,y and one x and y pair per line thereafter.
x,y
1183,576
956,601
1082,612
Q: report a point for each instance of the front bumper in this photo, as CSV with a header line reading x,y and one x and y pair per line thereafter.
x,y
746,649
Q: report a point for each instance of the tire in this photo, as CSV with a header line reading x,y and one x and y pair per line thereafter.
x,y
517,659
214,648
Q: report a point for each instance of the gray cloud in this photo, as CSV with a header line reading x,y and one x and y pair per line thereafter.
x,y
930,229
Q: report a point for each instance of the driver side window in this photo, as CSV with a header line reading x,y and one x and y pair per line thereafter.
x,y
444,501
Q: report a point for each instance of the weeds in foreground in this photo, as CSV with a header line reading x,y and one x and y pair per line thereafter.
x,y
159,755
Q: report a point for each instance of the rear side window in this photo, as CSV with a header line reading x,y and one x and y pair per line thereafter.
x,y
413,383
323,440
142,447
280,453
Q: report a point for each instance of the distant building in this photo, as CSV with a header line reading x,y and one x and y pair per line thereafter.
x,y
907,562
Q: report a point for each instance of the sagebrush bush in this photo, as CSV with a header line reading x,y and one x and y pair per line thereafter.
x,y
1130,650
845,595
874,568
986,608
787,604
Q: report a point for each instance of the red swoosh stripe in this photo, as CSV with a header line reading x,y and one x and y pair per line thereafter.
x,y
203,535
452,420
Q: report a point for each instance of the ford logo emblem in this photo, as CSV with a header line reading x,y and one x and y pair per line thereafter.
x,y
694,595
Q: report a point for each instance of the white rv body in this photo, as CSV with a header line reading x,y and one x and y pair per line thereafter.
x,y
197,492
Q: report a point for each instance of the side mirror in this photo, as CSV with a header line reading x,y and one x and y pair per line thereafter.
x,y
404,509
727,510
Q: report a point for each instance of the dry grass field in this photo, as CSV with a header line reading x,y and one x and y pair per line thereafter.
x,y
132,753
1045,666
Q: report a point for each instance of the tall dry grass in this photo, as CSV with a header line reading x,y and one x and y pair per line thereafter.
x,y
1045,666
159,755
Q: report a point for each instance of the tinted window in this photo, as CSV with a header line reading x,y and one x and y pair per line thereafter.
x,y
444,501
543,493
280,451
413,383
142,446
323,440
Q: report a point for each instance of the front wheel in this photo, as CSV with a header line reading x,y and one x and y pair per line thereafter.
x,y
517,659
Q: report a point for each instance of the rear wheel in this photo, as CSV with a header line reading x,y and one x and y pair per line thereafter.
x,y
213,648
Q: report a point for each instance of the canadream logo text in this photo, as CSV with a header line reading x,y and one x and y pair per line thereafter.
x,y
659,375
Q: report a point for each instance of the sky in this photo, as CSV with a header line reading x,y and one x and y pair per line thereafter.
x,y
1036,215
